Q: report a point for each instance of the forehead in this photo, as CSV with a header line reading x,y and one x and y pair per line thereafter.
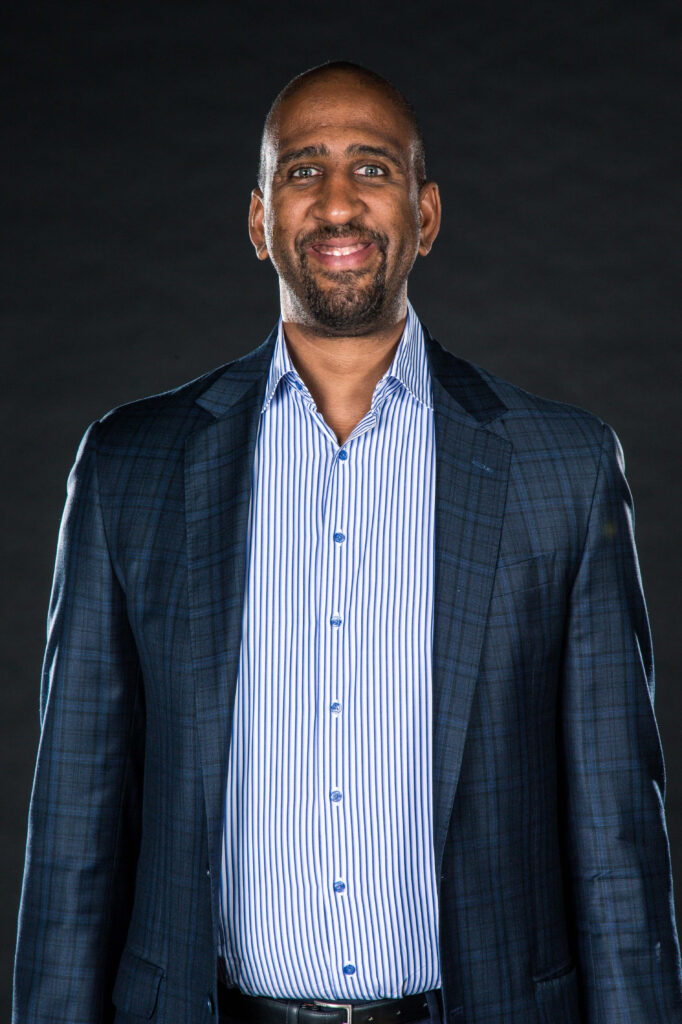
x,y
334,109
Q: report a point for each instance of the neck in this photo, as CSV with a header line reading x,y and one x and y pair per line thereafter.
x,y
341,368
341,373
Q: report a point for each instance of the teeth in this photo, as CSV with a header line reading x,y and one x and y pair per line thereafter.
x,y
329,250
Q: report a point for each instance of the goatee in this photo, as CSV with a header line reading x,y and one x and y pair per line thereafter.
x,y
347,306
350,303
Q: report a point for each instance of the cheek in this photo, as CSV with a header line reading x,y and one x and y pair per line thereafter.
x,y
276,230
405,222
405,236
284,221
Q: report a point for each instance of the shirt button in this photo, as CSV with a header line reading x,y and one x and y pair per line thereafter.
x,y
335,620
339,886
209,1002
335,708
335,796
339,537
343,455
349,968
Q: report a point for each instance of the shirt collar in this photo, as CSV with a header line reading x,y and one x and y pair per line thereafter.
x,y
409,365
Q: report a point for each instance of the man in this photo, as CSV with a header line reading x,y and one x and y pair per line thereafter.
x,y
347,694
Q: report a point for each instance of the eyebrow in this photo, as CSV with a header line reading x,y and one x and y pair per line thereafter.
x,y
356,149
361,149
301,154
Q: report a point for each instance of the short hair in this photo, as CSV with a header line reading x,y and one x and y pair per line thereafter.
x,y
390,91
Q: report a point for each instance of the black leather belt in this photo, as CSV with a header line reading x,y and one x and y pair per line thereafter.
x,y
245,1009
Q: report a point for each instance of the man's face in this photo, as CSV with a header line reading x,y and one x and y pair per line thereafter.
x,y
341,213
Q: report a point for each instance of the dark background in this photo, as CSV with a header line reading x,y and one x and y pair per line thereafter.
x,y
129,154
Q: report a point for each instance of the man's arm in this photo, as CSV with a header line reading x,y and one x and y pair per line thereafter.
x,y
83,834
615,836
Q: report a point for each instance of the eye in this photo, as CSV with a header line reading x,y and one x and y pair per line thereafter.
x,y
371,171
305,172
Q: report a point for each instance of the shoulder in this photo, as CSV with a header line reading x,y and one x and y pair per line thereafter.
x,y
557,451
529,421
564,433
139,447
160,424
162,419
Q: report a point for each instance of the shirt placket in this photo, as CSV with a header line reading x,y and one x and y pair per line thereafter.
x,y
335,573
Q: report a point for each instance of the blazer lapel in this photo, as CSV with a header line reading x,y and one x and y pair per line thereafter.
x,y
472,468
218,470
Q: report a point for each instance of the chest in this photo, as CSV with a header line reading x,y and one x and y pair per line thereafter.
x,y
321,511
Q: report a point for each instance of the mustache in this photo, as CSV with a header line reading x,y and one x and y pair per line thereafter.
x,y
328,234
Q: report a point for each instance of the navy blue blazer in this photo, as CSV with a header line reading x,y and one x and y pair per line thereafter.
x,y
554,882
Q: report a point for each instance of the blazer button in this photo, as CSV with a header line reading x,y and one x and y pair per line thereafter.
x,y
209,1003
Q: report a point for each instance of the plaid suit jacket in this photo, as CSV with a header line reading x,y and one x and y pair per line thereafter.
x,y
555,893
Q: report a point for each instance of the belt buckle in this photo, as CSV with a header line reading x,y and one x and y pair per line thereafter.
x,y
348,1007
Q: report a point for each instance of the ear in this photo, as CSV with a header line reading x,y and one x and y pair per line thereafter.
x,y
256,224
429,211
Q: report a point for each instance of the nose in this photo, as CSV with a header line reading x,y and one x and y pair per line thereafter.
x,y
338,200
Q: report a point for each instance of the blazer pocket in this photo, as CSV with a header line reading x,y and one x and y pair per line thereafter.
x,y
136,990
557,997
528,574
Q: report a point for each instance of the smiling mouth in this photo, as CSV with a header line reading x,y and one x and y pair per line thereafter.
x,y
340,250
342,254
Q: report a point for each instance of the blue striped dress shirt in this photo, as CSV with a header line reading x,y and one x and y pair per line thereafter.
x,y
328,885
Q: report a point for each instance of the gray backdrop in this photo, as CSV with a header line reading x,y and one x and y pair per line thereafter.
x,y
129,154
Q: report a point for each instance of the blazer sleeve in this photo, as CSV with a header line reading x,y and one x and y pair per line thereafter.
x,y
83,835
614,828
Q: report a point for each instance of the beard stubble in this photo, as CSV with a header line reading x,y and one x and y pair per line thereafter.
x,y
347,306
